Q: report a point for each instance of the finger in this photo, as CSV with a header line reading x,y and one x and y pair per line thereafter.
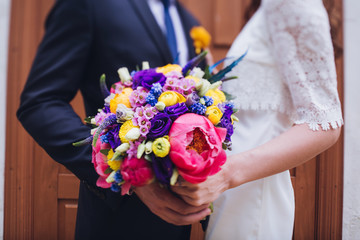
x,y
180,219
182,191
180,206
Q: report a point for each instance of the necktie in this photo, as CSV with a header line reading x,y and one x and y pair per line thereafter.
x,y
170,32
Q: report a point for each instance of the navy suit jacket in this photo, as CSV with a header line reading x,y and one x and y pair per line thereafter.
x,y
84,39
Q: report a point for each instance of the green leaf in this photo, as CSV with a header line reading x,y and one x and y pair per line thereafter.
x,y
229,96
229,78
207,72
105,151
88,120
108,170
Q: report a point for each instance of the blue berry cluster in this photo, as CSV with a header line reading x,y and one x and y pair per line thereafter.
x,y
208,101
156,89
198,108
118,177
151,99
154,94
104,138
115,187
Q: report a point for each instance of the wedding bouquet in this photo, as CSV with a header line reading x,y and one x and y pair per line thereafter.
x,y
159,123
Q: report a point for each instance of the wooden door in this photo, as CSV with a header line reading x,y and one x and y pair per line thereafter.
x,y
41,196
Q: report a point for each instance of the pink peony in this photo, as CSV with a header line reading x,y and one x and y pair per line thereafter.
x,y
137,172
100,165
196,147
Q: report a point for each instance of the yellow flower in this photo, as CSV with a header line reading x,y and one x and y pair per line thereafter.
x,y
217,95
121,98
214,114
124,129
169,68
161,147
170,98
110,154
201,38
114,164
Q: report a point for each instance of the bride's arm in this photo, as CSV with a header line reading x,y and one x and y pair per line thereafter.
x,y
290,149
300,40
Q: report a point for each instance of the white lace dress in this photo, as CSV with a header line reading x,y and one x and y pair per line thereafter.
x,y
288,77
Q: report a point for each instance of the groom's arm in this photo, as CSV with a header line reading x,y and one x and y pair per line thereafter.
x,y
54,79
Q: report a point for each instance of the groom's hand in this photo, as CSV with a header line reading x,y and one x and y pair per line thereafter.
x,y
169,207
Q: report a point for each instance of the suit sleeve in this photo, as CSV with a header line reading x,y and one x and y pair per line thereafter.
x,y
54,79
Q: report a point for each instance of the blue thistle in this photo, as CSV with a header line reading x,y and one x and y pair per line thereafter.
x,y
110,120
151,99
83,142
208,101
198,108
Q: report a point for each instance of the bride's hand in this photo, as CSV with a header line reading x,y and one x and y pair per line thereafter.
x,y
202,193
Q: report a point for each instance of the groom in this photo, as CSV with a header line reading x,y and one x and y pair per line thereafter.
x,y
84,39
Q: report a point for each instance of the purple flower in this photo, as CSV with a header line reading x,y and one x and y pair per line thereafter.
x,y
101,116
113,137
144,130
138,97
192,99
163,169
226,122
176,110
150,112
160,126
187,86
147,78
132,151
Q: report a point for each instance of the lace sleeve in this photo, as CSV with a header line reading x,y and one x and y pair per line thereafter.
x,y
300,35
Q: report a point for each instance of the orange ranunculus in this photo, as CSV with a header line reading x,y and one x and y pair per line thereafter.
x,y
121,98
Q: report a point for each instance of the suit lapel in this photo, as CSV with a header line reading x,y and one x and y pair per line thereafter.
x,y
145,15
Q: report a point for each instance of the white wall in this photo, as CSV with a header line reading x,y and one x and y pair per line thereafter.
x,y
4,34
351,215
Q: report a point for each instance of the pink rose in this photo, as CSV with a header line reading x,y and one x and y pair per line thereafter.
x,y
196,147
100,165
137,172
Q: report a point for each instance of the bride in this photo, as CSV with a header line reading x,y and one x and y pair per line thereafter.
x,y
289,112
